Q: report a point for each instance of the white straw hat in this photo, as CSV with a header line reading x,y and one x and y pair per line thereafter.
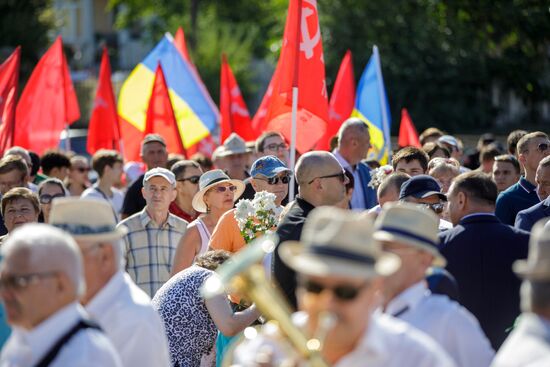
x,y
210,179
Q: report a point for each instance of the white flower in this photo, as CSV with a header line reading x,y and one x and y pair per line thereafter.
x,y
378,175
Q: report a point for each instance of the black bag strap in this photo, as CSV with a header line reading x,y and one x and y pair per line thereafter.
x,y
56,348
96,188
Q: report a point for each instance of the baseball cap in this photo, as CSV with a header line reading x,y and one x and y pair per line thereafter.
x,y
421,187
160,172
150,138
450,140
268,166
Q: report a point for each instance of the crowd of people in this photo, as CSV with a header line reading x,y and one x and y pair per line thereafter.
x,y
437,259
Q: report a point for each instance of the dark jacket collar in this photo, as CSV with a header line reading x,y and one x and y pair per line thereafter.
x,y
480,218
304,205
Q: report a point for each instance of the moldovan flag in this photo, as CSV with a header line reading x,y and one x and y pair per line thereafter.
x,y
9,79
233,111
196,114
407,131
371,105
103,130
160,115
48,103
301,65
341,102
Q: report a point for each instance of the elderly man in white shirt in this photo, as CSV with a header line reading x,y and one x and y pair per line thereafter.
x,y
41,278
120,307
411,232
340,271
529,342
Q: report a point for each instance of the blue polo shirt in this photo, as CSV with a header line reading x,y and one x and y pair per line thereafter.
x,y
517,197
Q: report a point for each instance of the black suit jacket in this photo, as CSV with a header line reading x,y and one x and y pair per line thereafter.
x,y
290,229
480,251
527,218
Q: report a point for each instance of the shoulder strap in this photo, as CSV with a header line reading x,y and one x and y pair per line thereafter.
x,y
96,188
56,348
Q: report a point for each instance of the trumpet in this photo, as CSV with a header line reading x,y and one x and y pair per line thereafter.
x,y
245,276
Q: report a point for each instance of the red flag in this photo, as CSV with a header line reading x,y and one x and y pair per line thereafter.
x,y
206,146
9,79
160,115
48,102
104,131
181,45
407,131
342,100
234,114
301,65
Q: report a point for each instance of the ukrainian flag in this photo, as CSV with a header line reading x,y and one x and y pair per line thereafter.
x,y
195,112
371,106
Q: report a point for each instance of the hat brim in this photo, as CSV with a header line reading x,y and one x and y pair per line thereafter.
x,y
294,254
540,271
274,172
198,200
115,235
425,194
385,236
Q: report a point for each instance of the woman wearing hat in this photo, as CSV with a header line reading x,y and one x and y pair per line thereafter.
x,y
217,194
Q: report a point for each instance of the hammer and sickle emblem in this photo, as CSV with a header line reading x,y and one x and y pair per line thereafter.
x,y
308,43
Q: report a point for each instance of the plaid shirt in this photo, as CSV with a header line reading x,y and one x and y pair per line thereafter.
x,y
150,249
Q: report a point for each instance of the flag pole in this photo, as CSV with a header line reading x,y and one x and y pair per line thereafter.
x,y
383,107
293,139
68,138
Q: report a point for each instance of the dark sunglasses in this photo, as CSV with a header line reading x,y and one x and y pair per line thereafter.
x,y
341,176
437,208
83,169
193,179
342,292
47,198
224,188
275,180
542,147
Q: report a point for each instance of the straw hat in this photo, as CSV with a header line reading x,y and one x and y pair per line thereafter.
x,y
210,179
86,219
338,242
234,144
411,225
537,265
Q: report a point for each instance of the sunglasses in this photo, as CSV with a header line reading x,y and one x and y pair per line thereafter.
x,y
82,169
193,179
231,188
276,147
342,292
47,198
341,176
437,208
275,180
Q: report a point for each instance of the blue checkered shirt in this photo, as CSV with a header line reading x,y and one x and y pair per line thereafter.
x,y
150,249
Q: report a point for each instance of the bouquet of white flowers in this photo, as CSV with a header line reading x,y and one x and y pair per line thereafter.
x,y
378,175
256,217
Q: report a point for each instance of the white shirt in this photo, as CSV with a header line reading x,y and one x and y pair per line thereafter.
x,y
527,345
446,321
357,197
87,348
125,313
387,342
115,201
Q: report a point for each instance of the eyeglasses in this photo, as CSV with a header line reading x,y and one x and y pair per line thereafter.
x,y
82,169
47,198
17,282
437,207
342,292
275,180
193,179
341,176
276,147
542,147
231,188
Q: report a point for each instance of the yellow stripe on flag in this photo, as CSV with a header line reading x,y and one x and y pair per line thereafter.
x,y
378,150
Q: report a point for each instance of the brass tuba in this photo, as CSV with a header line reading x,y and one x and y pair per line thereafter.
x,y
244,275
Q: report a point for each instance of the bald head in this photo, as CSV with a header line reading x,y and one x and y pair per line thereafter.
x,y
312,164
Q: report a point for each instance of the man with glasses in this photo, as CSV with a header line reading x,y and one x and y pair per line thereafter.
x,y
531,149
340,272
411,233
41,279
153,234
425,191
321,181
269,174
272,143
108,165
480,250
187,174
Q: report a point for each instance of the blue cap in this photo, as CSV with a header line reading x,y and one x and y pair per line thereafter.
x,y
421,187
268,166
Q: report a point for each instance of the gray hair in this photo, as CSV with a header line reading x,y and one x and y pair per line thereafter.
x,y
21,152
351,127
48,248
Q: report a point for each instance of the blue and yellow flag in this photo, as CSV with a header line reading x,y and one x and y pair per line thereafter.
x,y
371,106
196,114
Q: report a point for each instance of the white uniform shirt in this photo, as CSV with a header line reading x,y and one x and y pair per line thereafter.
x,y
87,348
357,197
527,345
125,313
446,321
115,201
387,342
